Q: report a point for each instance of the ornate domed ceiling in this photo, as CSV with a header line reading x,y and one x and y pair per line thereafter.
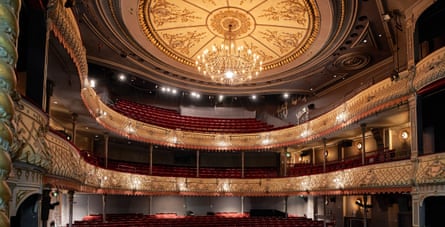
x,y
307,46
278,31
324,51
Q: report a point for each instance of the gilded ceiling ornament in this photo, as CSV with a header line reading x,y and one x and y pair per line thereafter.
x,y
352,61
164,12
277,31
182,42
291,10
241,23
283,40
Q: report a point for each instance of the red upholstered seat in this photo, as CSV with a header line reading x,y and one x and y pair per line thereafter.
x,y
172,119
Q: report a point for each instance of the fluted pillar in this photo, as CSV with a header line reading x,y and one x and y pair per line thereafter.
x,y
9,15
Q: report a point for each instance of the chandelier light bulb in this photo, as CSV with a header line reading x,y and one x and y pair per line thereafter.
x,y
229,63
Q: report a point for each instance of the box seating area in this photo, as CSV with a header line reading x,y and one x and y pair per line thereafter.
x,y
181,171
140,220
172,119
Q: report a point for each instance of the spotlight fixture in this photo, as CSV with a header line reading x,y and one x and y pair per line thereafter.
x,y
386,17
122,77
286,95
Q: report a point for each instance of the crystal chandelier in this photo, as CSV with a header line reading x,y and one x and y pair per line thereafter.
x,y
228,63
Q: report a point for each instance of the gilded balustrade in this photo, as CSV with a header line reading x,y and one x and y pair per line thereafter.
x,y
384,95
430,69
398,176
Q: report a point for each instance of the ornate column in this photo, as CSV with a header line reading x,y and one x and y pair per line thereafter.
x,y
283,162
106,138
365,210
9,15
286,201
242,164
242,205
74,129
150,151
325,154
412,102
104,206
313,156
197,163
418,210
363,127
70,204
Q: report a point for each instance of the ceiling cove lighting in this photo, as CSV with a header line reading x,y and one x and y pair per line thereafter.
x,y
228,63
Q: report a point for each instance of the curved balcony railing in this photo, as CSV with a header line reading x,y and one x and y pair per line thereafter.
x,y
293,170
65,168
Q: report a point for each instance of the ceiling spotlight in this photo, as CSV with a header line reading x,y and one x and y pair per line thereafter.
x,y
285,95
122,77
386,17
195,95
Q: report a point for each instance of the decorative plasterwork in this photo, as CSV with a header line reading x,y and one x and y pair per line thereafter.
x,y
375,178
279,31
379,97
63,24
31,127
70,171
430,69
431,169
380,178
9,30
25,180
